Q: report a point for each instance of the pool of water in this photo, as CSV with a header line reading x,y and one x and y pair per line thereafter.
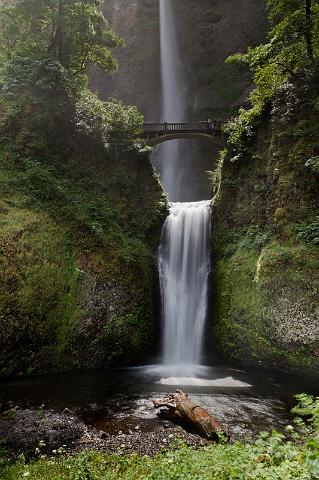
x,y
120,401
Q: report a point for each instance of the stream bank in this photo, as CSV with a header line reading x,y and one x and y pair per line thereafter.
x,y
112,410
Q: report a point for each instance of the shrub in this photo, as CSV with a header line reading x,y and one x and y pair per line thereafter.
x,y
242,130
107,121
37,100
309,232
313,164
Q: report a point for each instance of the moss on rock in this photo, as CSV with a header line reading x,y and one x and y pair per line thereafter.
x,y
78,282
266,257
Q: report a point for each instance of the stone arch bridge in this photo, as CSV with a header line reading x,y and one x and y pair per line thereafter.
x,y
155,133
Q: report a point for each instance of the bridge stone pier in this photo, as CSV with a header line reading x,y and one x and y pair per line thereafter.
x,y
155,133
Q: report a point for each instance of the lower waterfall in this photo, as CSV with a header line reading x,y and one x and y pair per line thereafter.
x,y
184,261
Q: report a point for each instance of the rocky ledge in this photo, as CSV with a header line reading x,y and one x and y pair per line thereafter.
x,y
36,432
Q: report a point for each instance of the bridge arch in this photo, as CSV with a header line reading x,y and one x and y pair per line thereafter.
x,y
156,133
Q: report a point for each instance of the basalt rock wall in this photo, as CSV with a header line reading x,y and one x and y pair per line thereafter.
x,y
265,240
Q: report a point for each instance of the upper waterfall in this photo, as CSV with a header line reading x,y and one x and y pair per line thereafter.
x,y
173,75
174,87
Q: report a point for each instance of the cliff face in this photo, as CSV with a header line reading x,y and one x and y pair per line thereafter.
x,y
208,32
137,81
78,284
265,241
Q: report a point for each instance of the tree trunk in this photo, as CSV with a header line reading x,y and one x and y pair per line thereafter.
x,y
178,408
308,31
60,32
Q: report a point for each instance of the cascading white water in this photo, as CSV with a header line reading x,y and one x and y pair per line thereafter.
x,y
174,86
184,251
184,268
172,69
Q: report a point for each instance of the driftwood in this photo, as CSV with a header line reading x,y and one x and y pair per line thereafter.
x,y
178,408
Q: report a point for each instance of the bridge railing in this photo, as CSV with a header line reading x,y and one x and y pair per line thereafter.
x,y
151,127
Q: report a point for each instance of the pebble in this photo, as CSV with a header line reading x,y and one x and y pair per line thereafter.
x,y
55,429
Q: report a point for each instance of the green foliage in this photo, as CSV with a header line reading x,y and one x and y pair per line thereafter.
x,y
72,32
247,238
266,279
38,287
292,47
241,130
107,121
215,176
44,112
66,219
309,232
132,326
37,104
10,414
276,256
110,121
307,412
77,200
313,164
253,273
271,456
46,48
287,52
280,214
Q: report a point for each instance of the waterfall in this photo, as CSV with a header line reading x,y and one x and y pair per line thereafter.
x,y
174,87
184,251
184,268
172,69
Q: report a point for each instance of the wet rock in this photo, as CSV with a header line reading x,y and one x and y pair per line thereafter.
x,y
30,429
54,433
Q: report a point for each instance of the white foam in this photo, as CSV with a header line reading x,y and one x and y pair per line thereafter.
x,y
204,382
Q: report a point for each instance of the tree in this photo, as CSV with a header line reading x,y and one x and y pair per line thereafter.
x,y
301,15
308,30
73,32
293,46
43,112
37,105
45,104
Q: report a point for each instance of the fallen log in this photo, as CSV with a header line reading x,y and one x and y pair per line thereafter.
x,y
178,408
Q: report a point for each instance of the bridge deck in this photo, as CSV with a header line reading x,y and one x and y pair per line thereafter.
x,y
211,127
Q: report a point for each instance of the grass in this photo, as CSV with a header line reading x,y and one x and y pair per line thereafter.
x,y
290,455
271,457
